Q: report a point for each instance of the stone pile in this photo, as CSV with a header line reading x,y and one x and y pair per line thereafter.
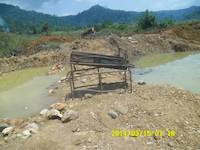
x,y
59,111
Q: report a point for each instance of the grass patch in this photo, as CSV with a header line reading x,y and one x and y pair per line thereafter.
x,y
16,78
158,59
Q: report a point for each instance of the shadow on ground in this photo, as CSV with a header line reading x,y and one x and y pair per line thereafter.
x,y
96,90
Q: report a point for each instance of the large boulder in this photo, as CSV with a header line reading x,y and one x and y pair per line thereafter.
x,y
3,126
54,114
70,115
7,131
58,106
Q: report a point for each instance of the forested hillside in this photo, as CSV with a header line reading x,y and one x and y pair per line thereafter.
x,y
14,19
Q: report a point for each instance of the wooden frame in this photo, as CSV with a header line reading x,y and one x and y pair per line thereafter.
x,y
97,61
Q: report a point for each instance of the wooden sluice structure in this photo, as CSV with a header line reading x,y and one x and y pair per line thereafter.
x,y
96,62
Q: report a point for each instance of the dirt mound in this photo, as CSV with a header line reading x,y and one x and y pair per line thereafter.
x,y
92,45
183,37
45,43
36,60
51,38
187,31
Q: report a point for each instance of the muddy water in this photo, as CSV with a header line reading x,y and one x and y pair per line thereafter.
x,y
28,98
183,73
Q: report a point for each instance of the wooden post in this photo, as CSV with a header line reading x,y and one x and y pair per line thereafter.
x,y
72,75
72,91
131,84
125,78
72,82
100,81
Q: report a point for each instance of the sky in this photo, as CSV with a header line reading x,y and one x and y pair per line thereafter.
x,y
71,7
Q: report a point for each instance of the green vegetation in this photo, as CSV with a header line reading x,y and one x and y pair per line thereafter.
x,y
22,21
11,44
147,21
166,23
16,78
157,59
45,28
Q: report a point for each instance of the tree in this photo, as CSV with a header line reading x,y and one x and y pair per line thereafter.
x,y
147,20
45,28
34,30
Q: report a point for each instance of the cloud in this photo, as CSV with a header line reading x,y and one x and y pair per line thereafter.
x,y
28,4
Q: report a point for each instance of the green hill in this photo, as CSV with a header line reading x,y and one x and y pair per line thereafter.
x,y
19,20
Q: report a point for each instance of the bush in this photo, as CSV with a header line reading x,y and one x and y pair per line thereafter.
x,y
107,24
11,44
122,27
166,23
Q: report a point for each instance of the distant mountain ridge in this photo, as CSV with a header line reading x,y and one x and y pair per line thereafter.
x,y
16,18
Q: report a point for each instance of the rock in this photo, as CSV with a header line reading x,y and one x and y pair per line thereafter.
x,y
198,131
121,91
63,78
32,127
2,143
71,106
113,114
3,126
156,115
76,130
186,122
54,114
7,131
57,67
51,91
141,82
16,122
44,112
171,144
120,109
87,96
84,80
26,134
19,135
149,143
58,106
69,116
130,38
134,42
